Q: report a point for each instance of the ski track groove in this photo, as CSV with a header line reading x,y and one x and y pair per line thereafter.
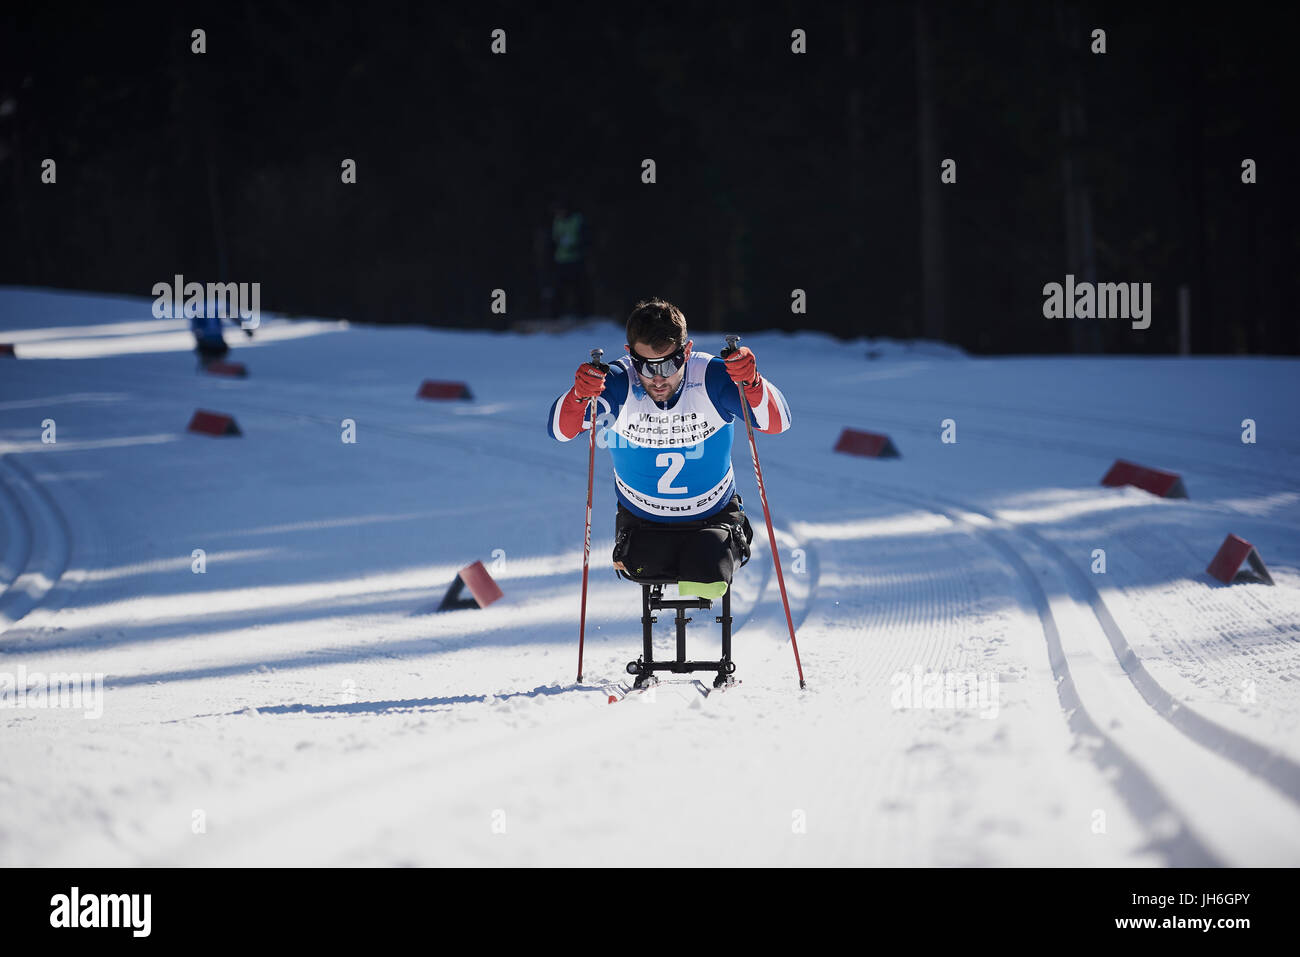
x,y
1134,785
1265,765
17,528
946,643
47,541
1269,764
1248,648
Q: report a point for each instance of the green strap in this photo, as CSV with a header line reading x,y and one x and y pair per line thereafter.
x,y
702,589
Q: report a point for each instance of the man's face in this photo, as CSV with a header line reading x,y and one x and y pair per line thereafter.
x,y
658,387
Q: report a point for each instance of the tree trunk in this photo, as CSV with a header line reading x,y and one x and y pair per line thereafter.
x,y
932,262
856,140
1080,249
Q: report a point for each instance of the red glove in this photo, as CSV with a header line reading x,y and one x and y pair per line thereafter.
x,y
743,370
741,367
588,382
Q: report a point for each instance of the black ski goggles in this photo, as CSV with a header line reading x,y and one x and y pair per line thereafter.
x,y
666,366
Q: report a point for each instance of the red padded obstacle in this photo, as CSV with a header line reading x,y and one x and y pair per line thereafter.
x,y
868,444
432,389
213,423
1156,481
480,584
1228,560
227,368
7,349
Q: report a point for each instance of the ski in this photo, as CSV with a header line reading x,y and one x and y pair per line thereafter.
x,y
731,683
618,690
622,690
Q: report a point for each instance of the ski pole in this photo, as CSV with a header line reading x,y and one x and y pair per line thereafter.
x,y
586,538
767,512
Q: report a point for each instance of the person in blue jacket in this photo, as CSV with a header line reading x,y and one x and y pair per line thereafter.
x,y
209,343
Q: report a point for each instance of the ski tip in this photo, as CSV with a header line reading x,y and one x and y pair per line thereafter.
x,y
613,699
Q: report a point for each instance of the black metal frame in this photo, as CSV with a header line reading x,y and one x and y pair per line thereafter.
x,y
652,600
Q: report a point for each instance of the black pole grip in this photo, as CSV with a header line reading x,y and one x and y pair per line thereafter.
x,y
732,347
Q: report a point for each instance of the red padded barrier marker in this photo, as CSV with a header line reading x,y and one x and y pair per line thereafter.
x,y
432,389
1228,560
213,423
227,368
869,444
1156,481
481,586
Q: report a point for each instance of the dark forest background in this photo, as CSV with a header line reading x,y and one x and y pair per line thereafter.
x,y
775,171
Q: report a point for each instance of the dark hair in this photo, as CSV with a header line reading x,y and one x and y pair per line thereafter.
x,y
657,323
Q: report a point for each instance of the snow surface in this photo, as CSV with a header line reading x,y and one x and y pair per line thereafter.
x,y
301,703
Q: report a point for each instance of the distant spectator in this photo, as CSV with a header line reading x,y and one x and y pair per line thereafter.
x,y
569,242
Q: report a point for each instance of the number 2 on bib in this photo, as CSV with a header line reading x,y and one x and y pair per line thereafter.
x,y
673,462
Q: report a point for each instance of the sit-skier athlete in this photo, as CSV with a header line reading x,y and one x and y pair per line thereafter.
x,y
665,412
